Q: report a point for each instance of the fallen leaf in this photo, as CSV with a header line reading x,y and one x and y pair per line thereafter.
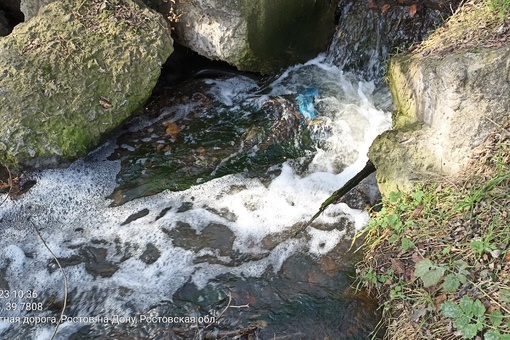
x,y
507,256
372,4
409,275
418,211
385,8
398,266
105,102
412,10
172,129
416,257
439,300
417,313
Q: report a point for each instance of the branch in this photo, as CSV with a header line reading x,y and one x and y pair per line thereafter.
x,y
63,273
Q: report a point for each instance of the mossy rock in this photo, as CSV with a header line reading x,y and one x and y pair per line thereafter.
x,y
72,74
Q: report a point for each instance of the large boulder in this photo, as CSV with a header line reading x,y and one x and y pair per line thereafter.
x,y
446,105
261,36
73,73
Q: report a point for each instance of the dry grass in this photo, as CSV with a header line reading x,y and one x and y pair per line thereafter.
x,y
476,24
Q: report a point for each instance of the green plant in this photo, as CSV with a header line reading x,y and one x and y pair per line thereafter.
x,y
470,319
429,272
500,6
455,278
469,315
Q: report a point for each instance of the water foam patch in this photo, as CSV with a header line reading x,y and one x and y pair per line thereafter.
x,y
128,258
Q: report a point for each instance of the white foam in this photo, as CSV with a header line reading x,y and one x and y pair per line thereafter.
x,y
69,205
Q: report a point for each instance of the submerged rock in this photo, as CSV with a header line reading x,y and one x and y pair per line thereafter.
x,y
446,105
192,137
261,36
72,74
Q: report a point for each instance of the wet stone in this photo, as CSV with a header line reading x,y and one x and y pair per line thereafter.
x,y
364,196
72,260
96,263
186,206
215,236
163,213
136,216
151,254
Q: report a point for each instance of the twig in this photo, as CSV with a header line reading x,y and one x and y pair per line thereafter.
x,y
489,297
10,185
63,273
222,312
498,125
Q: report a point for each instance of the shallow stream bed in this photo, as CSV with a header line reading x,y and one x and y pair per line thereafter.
x,y
188,223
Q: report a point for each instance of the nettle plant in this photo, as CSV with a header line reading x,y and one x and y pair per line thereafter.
x,y
470,319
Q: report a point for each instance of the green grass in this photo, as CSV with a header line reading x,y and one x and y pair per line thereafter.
x,y
500,6
448,239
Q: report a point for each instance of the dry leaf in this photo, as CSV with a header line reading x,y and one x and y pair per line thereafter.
x,y
105,102
507,256
385,8
398,266
416,257
418,211
172,129
412,10
439,300
409,275
372,4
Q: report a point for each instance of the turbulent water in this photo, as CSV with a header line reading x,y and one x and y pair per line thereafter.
x,y
223,248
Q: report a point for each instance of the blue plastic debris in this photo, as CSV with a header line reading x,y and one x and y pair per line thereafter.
x,y
305,102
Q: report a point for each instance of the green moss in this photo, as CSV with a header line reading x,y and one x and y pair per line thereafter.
x,y
60,64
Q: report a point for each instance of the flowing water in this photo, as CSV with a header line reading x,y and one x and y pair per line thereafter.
x,y
222,253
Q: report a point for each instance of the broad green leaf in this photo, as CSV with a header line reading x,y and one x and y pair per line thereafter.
x,y
393,238
433,277
478,309
451,310
451,283
418,196
492,335
407,244
496,318
395,196
504,295
504,337
468,331
422,268
466,304
392,219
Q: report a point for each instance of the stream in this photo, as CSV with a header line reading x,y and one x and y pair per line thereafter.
x,y
188,222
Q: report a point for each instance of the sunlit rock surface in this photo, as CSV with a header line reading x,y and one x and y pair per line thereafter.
x,y
446,106
262,36
70,75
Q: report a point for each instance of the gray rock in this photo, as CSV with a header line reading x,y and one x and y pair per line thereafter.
x,y
96,262
445,107
151,254
30,8
367,35
261,36
71,74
